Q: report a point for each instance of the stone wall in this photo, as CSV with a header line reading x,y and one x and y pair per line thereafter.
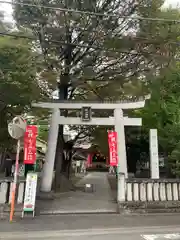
x,y
152,190
5,191
151,195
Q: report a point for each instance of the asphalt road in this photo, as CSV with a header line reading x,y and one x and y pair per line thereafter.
x,y
94,227
135,233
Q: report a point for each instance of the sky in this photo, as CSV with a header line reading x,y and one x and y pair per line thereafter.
x,y
8,9
174,3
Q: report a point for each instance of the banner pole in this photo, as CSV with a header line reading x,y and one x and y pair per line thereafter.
x,y
13,193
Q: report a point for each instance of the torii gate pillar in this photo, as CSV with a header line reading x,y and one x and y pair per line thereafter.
x,y
122,158
48,168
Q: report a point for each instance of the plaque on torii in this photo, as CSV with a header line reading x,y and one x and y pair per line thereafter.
x,y
86,114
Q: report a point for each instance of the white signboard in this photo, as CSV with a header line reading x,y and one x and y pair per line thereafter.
x,y
30,192
154,157
78,163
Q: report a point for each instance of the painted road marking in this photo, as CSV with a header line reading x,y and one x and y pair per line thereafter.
x,y
173,236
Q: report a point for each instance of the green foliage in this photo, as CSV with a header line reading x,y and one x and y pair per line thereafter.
x,y
43,132
18,81
18,72
108,58
162,111
84,49
174,161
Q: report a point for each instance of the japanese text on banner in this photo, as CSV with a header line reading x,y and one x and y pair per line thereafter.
x,y
112,140
30,145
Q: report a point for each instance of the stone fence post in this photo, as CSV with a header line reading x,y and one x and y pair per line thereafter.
x,y
121,187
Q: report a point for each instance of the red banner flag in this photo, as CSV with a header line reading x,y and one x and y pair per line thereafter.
x,y
30,144
89,160
113,154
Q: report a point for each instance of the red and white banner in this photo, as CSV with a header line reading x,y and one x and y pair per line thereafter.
x,y
89,160
113,154
30,144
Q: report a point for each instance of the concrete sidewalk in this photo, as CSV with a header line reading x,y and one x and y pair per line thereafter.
x,y
99,201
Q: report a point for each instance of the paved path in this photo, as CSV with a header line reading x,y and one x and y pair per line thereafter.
x,y
100,200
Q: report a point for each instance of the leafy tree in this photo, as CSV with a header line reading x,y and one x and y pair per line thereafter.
x,y
162,112
18,86
89,52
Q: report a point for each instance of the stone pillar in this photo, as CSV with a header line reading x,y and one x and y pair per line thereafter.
x,y
121,146
48,168
121,143
154,156
121,187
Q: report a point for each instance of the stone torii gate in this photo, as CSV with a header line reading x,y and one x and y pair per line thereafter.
x,y
119,121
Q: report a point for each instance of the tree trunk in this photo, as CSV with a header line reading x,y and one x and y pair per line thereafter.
x,y
62,164
59,158
2,160
62,169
